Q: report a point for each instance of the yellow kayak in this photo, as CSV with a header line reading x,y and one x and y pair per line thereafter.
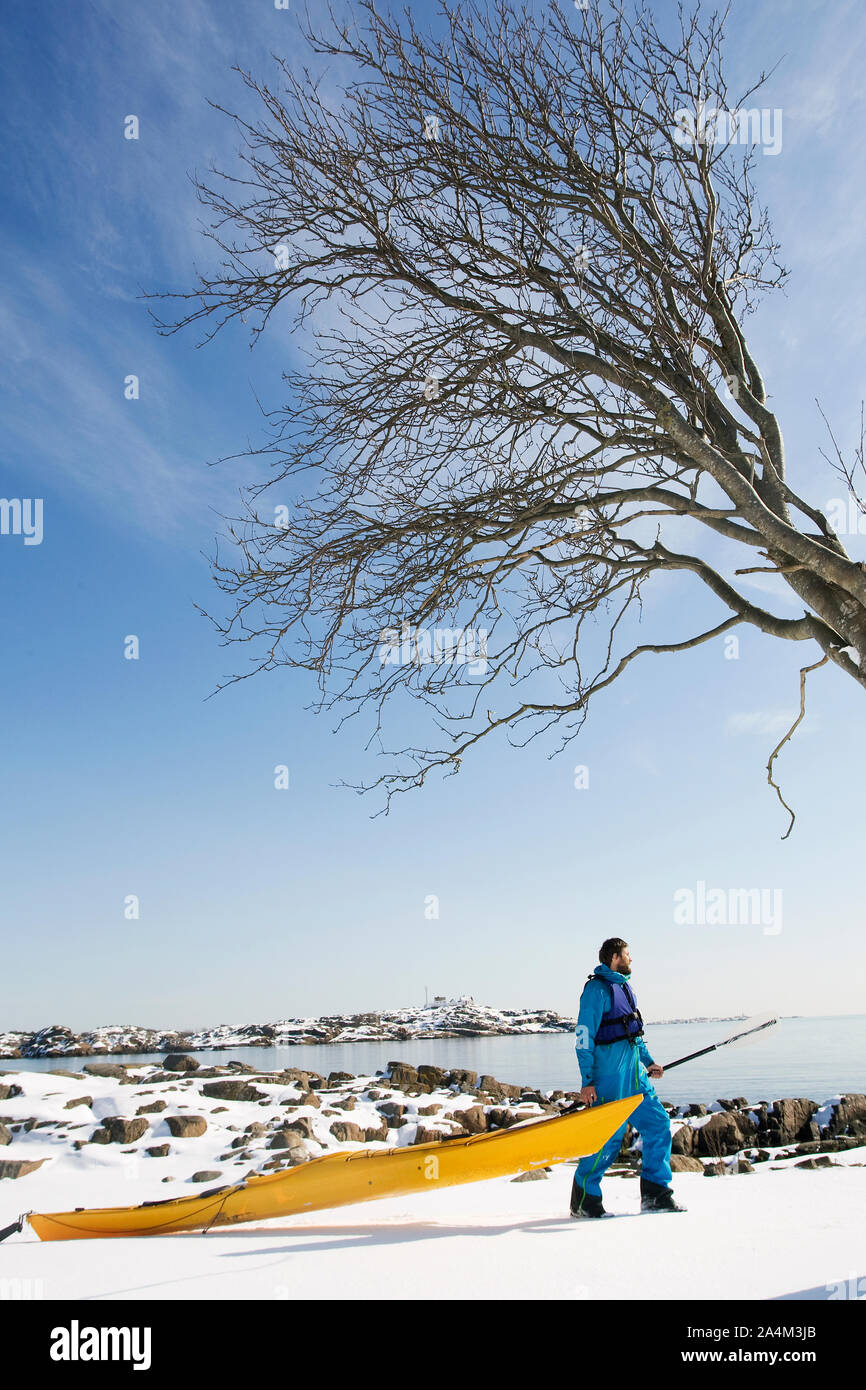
x,y
361,1175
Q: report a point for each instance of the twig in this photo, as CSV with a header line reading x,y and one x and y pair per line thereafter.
x,y
804,671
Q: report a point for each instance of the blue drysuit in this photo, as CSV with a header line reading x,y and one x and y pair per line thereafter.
x,y
615,1070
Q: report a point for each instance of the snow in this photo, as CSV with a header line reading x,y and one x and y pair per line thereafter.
x,y
779,1232
766,1235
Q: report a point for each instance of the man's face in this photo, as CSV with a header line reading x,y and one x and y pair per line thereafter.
x,y
622,962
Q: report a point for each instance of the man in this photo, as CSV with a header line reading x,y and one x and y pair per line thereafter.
x,y
614,1062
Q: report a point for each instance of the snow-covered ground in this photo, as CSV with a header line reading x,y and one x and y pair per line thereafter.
x,y
763,1236
780,1232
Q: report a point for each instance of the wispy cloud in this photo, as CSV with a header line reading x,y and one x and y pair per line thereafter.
x,y
771,723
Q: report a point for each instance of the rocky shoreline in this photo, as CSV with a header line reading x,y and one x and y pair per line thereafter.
x,y
454,1019
208,1122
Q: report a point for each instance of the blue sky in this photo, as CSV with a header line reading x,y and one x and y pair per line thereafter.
x,y
121,777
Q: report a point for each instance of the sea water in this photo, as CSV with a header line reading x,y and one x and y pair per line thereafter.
x,y
811,1057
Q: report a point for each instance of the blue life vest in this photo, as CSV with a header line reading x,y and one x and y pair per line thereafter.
x,y
623,1019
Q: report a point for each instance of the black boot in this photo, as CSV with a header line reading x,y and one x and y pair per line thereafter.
x,y
655,1197
584,1204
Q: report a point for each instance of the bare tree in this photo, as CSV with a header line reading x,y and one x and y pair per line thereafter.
x,y
539,394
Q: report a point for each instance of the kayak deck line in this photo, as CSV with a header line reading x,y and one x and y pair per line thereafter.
x,y
359,1175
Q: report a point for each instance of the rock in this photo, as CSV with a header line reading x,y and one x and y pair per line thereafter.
x,y
627,1141
335,1077
466,1080
428,1136
713,1170
473,1119
391,1108
232,1090
110,1069
186,1126
498,1090
7,1092
256,1130
789,1120
742,1165
303,1125
180,1061
286,1139
722,1134
159,1151
55,1041
683,1163
402,1075
5,1135
206,1175
347,1104
628,1160
502,1119
345,1131
289,1074
849,1116
300,1153
697,1109
376,1136
683,1140
19,1168
155,1108
820,1161
532,1176
117,1130
429,1109
436,1077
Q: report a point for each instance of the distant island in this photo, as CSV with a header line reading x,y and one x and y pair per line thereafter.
x,y
443,1018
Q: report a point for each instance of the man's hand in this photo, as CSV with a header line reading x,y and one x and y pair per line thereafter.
x,y
588,1096
655,1070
